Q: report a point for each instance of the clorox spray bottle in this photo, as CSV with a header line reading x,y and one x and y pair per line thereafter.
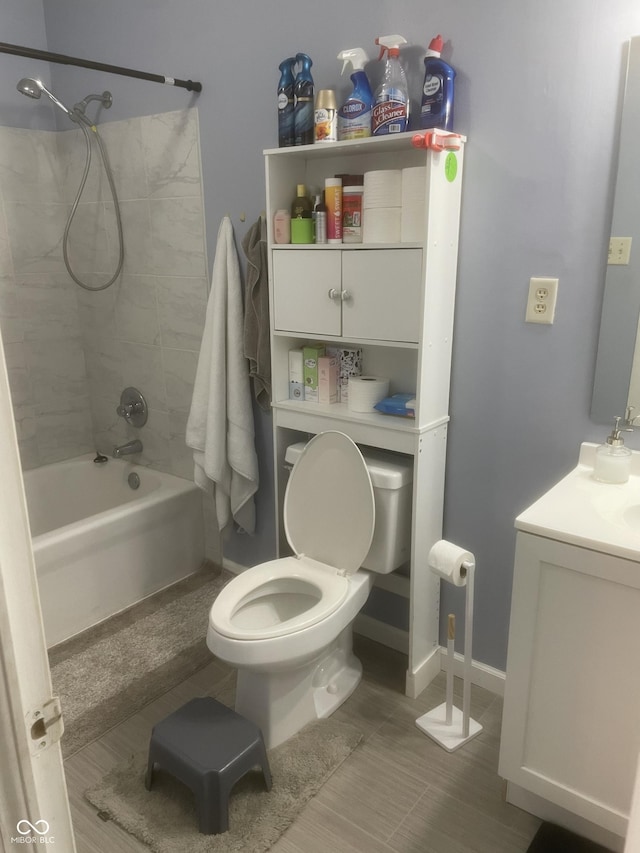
x,y
391,110
286,130
354,116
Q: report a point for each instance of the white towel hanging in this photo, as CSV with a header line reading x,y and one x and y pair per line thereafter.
x,y
220,429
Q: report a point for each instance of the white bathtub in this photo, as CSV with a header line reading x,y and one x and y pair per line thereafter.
x,y
100,545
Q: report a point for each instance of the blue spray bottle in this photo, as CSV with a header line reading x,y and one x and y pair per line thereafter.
x,y
437,91
354,116
303,110
286,130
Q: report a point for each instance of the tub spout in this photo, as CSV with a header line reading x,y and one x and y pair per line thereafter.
x,y
130,447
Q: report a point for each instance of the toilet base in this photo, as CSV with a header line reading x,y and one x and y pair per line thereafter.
x,y
283,702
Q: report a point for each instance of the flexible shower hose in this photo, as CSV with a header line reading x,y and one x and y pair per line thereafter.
x,y
65,239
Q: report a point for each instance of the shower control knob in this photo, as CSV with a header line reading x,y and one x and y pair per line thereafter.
x,y
133,407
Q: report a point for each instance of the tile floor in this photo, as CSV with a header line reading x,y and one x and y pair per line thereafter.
x,y
399,792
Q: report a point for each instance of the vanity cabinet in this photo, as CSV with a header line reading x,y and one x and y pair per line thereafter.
x,y
571,722
395,302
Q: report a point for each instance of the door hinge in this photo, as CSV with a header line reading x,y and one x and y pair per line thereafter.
x,y
45,725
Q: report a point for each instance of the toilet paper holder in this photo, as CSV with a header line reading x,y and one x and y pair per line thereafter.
x,y
446,724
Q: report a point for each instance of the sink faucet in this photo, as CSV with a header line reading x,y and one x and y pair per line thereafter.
x,y
134,446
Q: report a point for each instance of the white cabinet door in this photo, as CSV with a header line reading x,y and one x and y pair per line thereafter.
x,y
384,288
306,291
571,730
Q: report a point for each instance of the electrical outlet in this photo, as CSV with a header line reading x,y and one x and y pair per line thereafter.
x,y
619,250
541,303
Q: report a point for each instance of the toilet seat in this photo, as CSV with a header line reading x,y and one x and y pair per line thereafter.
x,y
290,575
329,519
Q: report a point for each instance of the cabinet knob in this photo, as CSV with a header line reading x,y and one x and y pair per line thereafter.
x,y
345,295
334,294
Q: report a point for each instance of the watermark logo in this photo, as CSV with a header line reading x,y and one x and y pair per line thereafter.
x,y
33,833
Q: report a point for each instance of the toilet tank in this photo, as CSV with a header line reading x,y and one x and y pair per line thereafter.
x,y
391,478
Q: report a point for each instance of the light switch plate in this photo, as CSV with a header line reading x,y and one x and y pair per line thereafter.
x,y
541,303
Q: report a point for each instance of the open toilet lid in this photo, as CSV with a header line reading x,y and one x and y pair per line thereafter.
x,y
329,512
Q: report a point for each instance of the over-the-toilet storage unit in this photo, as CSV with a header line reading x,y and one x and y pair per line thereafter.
x,y
396,302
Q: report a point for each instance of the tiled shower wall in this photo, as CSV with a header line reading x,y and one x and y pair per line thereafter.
x,y
71,352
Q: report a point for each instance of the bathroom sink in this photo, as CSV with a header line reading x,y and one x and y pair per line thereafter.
x,y
631,517
582,511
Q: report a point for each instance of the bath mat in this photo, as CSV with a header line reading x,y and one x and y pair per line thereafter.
x,y
111,671
165,817
554,839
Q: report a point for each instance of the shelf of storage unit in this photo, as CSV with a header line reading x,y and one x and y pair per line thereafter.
x,y
396,302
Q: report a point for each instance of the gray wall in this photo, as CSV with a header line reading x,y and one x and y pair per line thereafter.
x,y
538,94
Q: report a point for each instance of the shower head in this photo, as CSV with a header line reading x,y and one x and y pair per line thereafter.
x,y
33,88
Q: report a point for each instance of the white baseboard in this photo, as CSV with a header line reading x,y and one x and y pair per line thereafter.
x,y
230,566
482,675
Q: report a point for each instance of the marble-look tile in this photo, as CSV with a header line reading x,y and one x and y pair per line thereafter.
x,y
182,306
105,370
63,435
47,312
136,310
58,373
180,368
136,228
29,165
10,321
177,232
172,153
142,368
125,153
35,233
72,155
6,259
29,454
97,313
155,440
26,422
88,243
18,372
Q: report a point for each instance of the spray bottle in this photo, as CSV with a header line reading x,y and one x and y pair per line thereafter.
x,y
286,132
354,116
303,110
437,91
391,110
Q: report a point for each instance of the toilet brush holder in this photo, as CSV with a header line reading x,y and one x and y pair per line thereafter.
x,y
448,725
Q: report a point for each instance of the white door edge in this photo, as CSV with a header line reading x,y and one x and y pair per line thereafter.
x,y
33,793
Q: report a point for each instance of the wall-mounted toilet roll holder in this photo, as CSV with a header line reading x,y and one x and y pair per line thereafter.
x,y
448,725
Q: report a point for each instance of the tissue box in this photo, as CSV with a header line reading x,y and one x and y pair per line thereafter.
x,y
328,377
311,354
350,365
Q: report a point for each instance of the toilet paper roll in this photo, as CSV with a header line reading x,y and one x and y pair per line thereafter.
x,y
413,204
365,392
447,559
381,225
382,188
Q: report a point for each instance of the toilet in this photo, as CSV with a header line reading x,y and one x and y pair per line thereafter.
x,y
286,625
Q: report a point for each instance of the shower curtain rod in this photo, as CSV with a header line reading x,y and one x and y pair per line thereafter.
x,y
61,59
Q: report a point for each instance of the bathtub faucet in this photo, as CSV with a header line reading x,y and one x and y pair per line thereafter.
x,y
134,446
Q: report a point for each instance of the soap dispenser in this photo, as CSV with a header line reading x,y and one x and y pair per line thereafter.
x,y
613,459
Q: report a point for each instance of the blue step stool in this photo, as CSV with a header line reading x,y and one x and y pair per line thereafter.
x,y
208,747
